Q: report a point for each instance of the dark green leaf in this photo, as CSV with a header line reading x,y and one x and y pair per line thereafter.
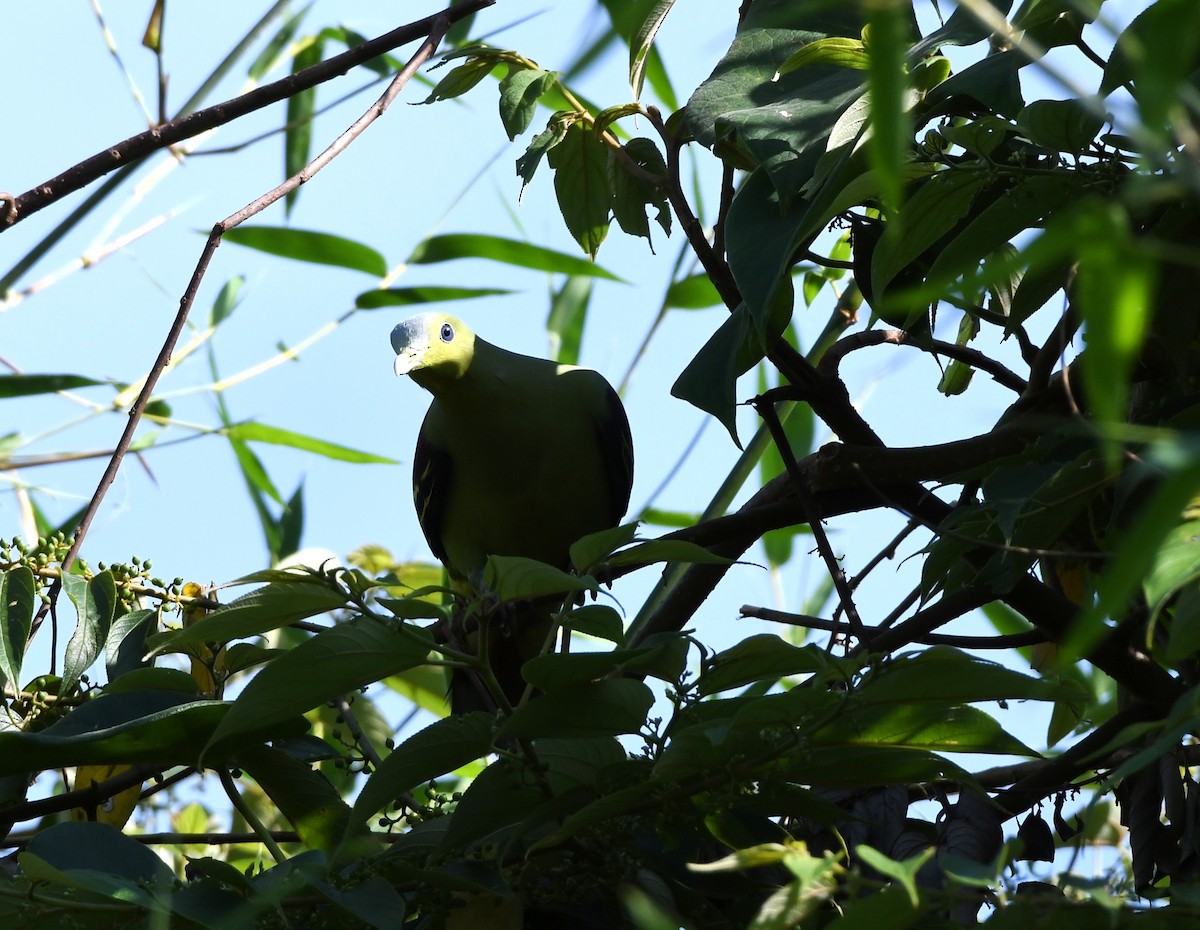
x,y
538,147
765,657
596,708
305,245
18,600
580,163
509,251
441,747
126,647
301,107
663,659
519,94
227,300
932,212
777,121
260,611
349,656
946,674
260,432
568,312
98,848
155,727
502,796
514,578
96,603
460,80
692,293
301,793
1061,125
24,385
422,294
933,726
631,195
597,620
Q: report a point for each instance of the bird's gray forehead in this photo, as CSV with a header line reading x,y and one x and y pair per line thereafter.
x,y
411,333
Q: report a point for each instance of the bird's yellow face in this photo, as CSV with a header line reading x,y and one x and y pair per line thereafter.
x,y
433,349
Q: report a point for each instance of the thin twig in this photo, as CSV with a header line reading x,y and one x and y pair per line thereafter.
x,y
766,410
964,354
436,30
135,148
1005,641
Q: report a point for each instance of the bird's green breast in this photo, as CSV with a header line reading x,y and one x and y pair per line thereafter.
x,y
527,474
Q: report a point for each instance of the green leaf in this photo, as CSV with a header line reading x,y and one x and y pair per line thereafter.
x,y
904,872
1176,564
24,385
779,124
262,610
663,658
1115,283
1158,53
101,850
460,80
580,163
764,657
993,84
154,727
260,432
515,578
301,108
301,794
631,195
509,251
838,51
595,708
568,312
1061,125
667,550
692,293
306,245
538,147
596,547
349,656
890,137
932,725
1136,552
641,43
422,294
18,601
441,747
597,620
519,94
946,674
227,300
96,603
269,56
930,213
502,796
125,650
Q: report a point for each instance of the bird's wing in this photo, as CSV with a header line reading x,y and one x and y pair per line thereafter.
x,y
432,474
616,447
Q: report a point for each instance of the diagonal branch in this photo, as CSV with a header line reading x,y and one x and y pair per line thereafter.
x,y
436,31
135,148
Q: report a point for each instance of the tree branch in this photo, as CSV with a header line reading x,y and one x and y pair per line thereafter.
x,y
135,148
436,30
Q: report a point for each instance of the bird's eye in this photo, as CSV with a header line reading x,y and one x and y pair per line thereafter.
x,y
447,332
